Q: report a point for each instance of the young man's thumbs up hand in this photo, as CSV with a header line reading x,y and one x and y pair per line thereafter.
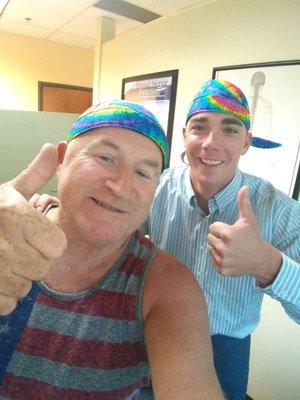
x,y
239,249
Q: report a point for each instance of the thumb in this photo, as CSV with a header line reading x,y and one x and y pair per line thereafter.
x,y
244,204
38,172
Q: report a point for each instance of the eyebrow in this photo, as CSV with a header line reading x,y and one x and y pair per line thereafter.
x,y
234,121
151,163
148,161
109,143
198,119
224,121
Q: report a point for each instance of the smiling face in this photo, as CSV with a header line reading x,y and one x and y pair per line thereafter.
x,y
214,143
106,184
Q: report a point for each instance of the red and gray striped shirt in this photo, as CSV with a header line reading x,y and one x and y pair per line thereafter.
x,y
87,345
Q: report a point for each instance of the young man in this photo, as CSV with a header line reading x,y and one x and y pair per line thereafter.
x,y
109,306
237,233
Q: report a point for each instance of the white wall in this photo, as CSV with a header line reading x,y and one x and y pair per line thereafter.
x,y
226,32
275,356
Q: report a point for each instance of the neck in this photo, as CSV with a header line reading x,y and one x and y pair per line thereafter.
x,y
203,194
83,263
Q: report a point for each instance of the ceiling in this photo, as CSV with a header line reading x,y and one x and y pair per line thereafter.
x,y
73,22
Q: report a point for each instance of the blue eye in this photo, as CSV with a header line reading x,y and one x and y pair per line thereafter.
x,y
197,129
143,174
105,158
231,131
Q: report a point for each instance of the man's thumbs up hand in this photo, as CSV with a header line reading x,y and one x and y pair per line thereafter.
x,y
29,241
38,172
245,209
239,249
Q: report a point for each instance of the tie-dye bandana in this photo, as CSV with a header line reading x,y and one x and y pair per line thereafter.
x,y
224,97
122,114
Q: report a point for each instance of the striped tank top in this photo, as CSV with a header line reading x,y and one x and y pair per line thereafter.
x,y
80,346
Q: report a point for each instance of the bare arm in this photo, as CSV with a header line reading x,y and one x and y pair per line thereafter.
x,y
177,334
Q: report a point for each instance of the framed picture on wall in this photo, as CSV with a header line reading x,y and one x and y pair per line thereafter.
x,y
157,92
272,89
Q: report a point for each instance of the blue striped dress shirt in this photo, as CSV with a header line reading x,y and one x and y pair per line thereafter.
x,y
178,225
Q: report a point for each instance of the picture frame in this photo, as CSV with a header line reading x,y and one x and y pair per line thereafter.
x,y
157,92
272,89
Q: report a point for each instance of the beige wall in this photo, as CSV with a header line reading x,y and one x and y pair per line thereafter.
x,y
227,32
25,61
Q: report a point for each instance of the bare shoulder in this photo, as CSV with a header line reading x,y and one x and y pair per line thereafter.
x,y
170,280
168,270
177,333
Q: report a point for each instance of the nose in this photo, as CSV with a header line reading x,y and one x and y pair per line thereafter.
x,y
121,183
211,140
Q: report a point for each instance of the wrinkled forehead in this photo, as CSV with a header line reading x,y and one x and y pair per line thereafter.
x,y
118,139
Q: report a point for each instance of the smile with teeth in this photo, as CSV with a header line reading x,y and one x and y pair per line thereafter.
x,y
107,206
210,162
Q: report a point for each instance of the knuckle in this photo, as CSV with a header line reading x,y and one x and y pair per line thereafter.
x,y
34,199
40,271
13,285
32,267
222,271
224,263
43,201
7,208
221,253
5,244
24,288
225,234
221,263
7,305
13,206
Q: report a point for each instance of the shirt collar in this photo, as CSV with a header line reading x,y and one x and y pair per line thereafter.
x,y
221,199
190,194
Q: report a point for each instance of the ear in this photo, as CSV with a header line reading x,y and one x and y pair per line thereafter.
x,y
61,150
184,132
247,142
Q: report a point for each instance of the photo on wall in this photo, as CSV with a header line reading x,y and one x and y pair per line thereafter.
x,y
272,90
157,92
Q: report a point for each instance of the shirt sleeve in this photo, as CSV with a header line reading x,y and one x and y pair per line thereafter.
x,y
286,286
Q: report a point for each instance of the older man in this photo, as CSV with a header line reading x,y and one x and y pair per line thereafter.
x,y
109,306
